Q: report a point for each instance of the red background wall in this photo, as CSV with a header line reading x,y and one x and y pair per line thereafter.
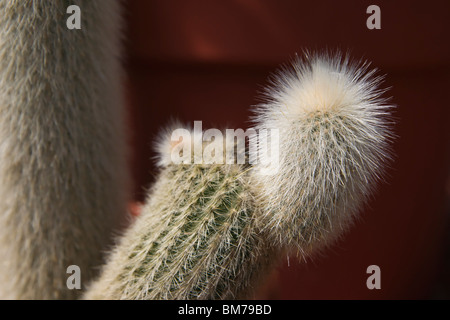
x,y
207,60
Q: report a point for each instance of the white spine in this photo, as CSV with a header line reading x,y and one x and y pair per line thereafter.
x,y
334,141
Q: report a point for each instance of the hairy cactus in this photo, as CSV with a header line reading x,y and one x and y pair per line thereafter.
x,y
62,164
334,136
211,231
195,239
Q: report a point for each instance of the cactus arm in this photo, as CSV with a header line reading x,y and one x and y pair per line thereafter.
x,y
63,180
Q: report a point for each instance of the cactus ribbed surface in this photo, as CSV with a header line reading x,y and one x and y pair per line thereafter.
x,y
195,239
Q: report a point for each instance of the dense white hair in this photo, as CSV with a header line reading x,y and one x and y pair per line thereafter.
x,y
335,132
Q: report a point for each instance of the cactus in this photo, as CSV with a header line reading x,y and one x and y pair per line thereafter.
x,y
195,239
207,231
212,231
63,181
335,134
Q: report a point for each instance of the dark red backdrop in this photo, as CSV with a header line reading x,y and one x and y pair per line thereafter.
x,y
206,60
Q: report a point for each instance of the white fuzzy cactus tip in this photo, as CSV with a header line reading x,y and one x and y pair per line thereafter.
x,y
335,133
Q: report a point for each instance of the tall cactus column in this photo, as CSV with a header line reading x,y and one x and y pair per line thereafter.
x,y
62,164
